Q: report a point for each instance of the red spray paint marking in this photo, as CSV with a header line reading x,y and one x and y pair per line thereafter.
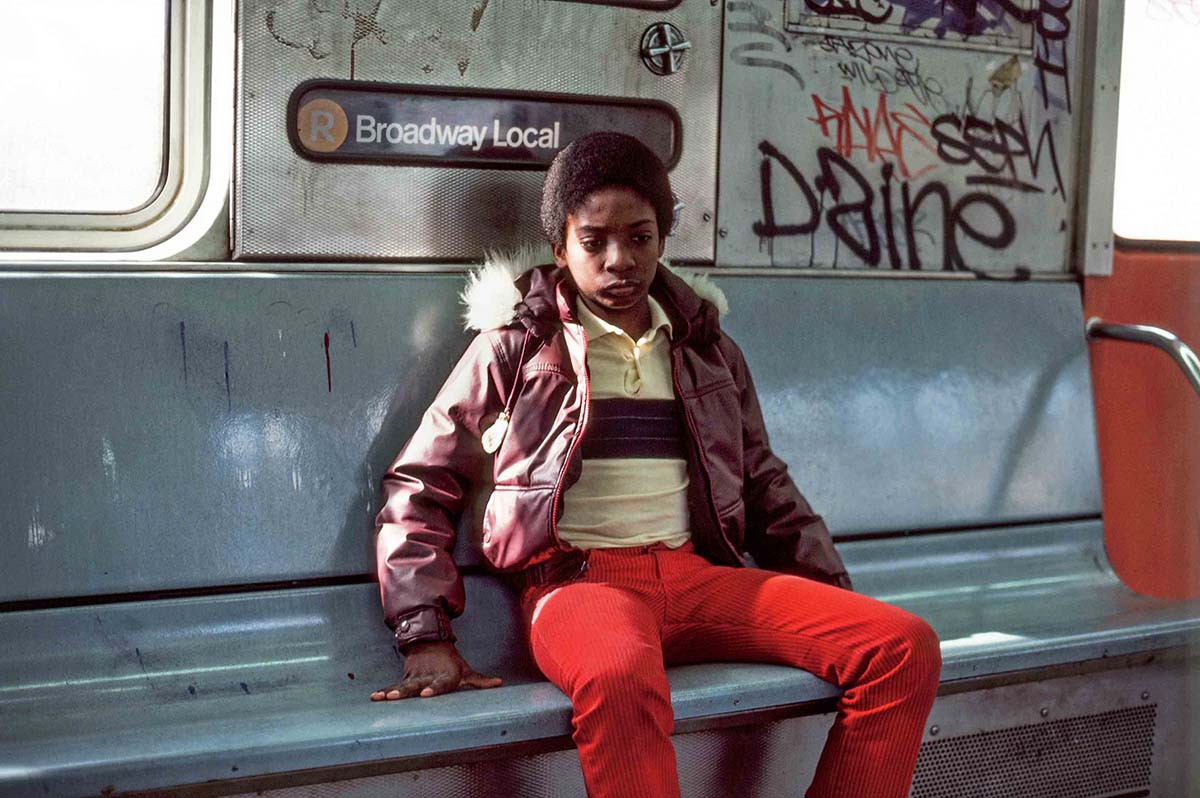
x,y
882,134
328,372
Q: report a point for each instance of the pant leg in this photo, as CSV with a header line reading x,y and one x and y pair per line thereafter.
x,y
886,660
601,645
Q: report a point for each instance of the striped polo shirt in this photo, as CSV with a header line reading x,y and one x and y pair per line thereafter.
x,y
632,490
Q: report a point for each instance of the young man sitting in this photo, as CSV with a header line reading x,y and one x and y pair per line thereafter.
x,y
631,470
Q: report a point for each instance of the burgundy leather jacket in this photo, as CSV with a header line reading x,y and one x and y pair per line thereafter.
x,y
740,495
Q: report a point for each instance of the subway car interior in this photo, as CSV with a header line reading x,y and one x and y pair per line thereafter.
x,y
960,241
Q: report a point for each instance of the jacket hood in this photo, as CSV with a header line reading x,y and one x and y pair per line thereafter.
x,y
512,287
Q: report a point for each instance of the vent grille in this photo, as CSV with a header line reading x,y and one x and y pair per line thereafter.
x,y
1107,754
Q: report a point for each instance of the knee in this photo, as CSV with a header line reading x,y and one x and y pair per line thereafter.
x,y
920,647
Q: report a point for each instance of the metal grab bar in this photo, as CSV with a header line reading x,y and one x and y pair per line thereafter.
x,y
1156,336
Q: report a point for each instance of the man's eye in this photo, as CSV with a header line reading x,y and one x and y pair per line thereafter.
x,y
590,244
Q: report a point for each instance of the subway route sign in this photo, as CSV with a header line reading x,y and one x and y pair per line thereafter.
x,y
415,125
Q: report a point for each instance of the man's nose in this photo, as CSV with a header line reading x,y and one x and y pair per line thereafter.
x,y
619,258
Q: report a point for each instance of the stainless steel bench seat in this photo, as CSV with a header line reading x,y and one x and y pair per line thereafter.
x,y
944,428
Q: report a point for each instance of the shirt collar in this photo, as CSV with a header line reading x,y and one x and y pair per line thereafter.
x,y
595,327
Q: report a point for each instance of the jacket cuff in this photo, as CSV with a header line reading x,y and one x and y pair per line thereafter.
x,y
423,623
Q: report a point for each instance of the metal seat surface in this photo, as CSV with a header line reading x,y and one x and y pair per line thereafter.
x,y
183,691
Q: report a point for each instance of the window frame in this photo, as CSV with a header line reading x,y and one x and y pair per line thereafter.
x,y
190,106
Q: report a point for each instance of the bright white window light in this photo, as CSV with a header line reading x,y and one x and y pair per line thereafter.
x,y
981,640
82,93
1158,136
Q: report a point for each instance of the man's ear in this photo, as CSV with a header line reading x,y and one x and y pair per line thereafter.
x,y
662,245
560,255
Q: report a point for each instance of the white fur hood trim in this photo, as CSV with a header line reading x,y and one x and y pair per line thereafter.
x,y
490,295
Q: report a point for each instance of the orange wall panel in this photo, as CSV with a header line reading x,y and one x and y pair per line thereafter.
x,y
1148,420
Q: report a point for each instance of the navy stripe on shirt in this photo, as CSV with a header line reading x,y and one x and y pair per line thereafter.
x,y
634,428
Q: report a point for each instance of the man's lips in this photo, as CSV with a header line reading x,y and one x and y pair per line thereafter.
x,y
622,289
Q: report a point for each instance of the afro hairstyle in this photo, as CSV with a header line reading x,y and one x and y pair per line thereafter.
x,y
597,160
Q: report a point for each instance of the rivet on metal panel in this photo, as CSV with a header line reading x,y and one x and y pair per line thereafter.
x,y
707,216
933,730
1145,695
1045,712
722,232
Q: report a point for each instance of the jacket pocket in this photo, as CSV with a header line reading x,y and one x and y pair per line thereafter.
x,y
736,507
712,387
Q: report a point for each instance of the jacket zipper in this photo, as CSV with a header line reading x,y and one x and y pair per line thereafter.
x,y
687,415
579,430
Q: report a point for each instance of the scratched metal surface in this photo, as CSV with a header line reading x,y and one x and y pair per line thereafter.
x,y
190,431
870,99
908,404
287,206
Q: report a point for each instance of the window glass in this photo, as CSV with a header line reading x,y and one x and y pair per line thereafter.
x,y
83,91
1157,194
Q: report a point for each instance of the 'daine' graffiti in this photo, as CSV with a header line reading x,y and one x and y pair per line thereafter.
x,y
900,153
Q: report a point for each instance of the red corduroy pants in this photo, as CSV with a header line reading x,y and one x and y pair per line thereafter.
x,y
605,637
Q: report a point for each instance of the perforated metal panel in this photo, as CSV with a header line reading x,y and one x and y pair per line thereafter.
x,y
288,206
1108,753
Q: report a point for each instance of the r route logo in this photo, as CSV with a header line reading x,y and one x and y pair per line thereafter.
x,y
322,125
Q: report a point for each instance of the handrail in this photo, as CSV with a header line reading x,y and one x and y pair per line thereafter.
x,y
1156,336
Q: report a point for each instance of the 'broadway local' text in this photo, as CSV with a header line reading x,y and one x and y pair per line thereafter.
x,y
369,130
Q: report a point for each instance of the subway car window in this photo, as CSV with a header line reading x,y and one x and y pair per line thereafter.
x,y
122,148
76,66
1156,196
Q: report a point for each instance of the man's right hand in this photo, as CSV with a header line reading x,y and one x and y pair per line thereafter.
x,y
432,668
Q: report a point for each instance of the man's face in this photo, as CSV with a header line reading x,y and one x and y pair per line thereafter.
x,y
612,249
